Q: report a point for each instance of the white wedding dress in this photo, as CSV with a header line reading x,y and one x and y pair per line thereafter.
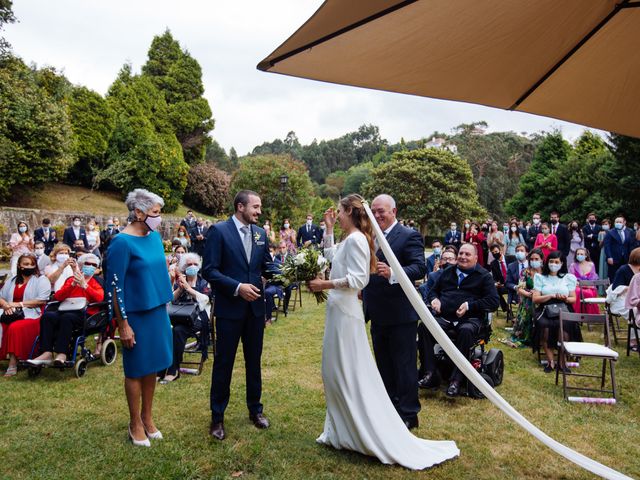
x,y
360,415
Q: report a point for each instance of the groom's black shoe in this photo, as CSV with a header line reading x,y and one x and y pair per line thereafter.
x,y
259,420
411,423
430,380
454,389
216,430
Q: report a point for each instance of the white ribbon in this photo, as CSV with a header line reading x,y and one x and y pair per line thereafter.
x,y
465,367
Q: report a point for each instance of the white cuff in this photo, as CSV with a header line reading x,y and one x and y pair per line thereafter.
x,y
392,278
235,294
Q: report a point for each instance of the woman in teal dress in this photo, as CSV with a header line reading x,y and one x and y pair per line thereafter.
x,y
603,267
524,318
138,289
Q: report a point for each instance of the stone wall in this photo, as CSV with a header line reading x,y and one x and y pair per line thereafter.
x,y
9,218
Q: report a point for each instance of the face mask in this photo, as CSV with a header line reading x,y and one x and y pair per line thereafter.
x,y
45,227
619,225
521,256
466,225
39,252
545,231
76,223
436,251
153,222
453,228
605,227
484,227
178,255
554,221
535,264
192,270
505,229
323,227
181,234
555,267
309,222
22,229
62,257
88,270
495,254
581,258
111,225
286,225
536,221
92,227
592,222
514,229
27,272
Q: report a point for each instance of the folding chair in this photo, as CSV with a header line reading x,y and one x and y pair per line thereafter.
x,y
296,296
594,300
588,350
631,326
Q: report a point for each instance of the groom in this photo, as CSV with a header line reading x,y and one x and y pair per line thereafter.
x,y
394,322
235,255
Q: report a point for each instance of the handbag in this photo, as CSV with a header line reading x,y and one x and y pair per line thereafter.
x,y
553,310
183,313
18,314
72,303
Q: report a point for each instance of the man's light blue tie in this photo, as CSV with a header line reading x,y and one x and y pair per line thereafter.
x,y
460,278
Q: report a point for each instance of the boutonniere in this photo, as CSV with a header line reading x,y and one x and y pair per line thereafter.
x,y
256,239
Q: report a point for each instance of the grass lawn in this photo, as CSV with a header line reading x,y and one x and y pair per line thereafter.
x,y
57,426
70,198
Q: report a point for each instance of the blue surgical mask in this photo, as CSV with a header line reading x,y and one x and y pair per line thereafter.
x,y
22,229
605,227
436,250
555,267
192,270
619,225
521,256
88,270
581,258
535,264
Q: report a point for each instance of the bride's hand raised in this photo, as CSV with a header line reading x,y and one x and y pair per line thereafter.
x,y
330,218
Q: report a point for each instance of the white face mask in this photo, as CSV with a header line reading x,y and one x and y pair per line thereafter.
x,y
309,222
76,223
514,229
62,257
39,252
92,227
286,225
555,267
536,221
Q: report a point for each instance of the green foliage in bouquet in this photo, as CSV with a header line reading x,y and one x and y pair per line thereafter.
x,y
303,267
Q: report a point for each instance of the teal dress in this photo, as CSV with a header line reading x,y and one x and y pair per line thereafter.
x,y
138,280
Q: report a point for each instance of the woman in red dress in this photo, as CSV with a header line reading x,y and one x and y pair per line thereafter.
x,y
476,237
27,291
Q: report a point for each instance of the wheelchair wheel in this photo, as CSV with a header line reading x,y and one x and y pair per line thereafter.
x,y
80,367
493,365
109,352
473,391
34,371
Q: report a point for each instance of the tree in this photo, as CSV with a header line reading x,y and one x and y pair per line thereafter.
x,y
178,75
356,176
207,189
143,150
92,122
6,16
217,156
36,143
624,172
537,190
430,186
261,173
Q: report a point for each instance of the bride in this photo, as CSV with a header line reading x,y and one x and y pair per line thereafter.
x,y
360,415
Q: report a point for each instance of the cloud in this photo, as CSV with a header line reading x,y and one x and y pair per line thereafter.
x,y
90,41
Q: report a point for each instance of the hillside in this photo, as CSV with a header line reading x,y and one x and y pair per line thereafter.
x,y
70,198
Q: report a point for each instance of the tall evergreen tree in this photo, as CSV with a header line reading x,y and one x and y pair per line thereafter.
x,y
626,184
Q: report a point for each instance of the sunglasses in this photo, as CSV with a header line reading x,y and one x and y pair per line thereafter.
x,y
87,264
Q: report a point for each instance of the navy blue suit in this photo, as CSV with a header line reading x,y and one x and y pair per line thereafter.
x,y
394,322
617,249
592,243
225,266
513,279
39,236
453,238
532,233
431,263
314,235
70,236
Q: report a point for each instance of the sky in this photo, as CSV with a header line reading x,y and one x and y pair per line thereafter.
x,y
90,40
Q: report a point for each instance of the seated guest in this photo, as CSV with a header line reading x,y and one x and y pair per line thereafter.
x,y
271,290
523,325
435,257
498,270
78,248
62,266
56,326
189,287
448,258
584,269
546,241
461,298
47,235
75,232
28,291
632,301
41,255
625,273
554,286
173,260
514,273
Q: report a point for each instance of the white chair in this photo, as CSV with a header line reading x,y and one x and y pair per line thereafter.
x,y
587,350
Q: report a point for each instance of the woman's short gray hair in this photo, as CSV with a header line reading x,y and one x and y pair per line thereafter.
x,y
84,258
188,258
143,200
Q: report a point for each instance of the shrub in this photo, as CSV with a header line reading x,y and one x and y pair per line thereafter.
x,y
207,189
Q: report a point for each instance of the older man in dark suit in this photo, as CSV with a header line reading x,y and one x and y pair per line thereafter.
x,y
461,298
235,258
394,322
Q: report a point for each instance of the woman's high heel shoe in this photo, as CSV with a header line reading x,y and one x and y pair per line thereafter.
x,y
139,443
157,435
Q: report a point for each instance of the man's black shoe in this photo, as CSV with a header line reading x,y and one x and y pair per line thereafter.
x,y
454,389
430,380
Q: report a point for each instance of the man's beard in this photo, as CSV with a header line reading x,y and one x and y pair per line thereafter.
x,y
248,218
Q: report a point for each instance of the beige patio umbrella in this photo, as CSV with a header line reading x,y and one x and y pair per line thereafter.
x,y
575,60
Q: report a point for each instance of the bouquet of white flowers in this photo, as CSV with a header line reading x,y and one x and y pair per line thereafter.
x,y
303,267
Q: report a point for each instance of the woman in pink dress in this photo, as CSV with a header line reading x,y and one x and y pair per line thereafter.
x,y
476,237
546,241
584,269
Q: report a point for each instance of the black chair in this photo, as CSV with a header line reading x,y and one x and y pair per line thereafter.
x,y
632,326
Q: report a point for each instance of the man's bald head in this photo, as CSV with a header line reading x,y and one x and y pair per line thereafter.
x,y
467,256
384,209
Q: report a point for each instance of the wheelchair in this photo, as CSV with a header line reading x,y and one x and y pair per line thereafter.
x,y
78,355
488,363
